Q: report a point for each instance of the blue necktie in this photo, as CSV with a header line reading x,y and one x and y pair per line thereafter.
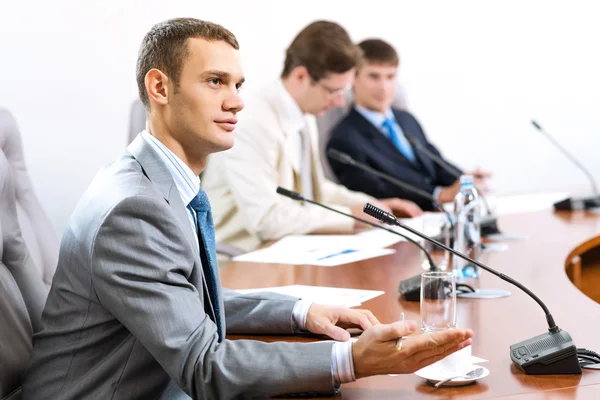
x,y
208,254
398,140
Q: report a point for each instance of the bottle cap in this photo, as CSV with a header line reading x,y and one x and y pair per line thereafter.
x,y
466,180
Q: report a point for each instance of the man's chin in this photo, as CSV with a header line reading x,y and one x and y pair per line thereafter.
x,y
223,146
321,112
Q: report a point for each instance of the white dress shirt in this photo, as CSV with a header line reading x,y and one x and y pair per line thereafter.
x,y
303,156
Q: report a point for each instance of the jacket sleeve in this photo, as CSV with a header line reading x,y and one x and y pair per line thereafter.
x,y
140,263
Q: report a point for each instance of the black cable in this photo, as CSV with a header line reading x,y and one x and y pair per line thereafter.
x,y
588,358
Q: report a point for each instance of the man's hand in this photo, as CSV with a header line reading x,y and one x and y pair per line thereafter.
x,y
374,353
401,208
481,174
332,320
394,206
480,182
447,194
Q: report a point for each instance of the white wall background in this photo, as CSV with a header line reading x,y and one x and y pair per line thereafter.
x,y
476,72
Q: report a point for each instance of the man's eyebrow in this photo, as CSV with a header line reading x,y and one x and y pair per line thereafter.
x,y
216,73
225,76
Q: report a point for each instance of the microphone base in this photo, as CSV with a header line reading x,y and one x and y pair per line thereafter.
x,y
489,225
410,288
546,354
577,203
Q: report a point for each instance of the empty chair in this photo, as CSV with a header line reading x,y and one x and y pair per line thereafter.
x,y
22,292
40,237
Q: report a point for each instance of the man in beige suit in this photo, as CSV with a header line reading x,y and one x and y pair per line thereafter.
x,y
276,145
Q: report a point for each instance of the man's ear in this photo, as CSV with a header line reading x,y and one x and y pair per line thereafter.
x,y
157,86
300,74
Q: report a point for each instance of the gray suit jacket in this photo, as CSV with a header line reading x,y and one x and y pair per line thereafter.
x,y
126,317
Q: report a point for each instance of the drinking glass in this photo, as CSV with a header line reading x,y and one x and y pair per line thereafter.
x,y
438,301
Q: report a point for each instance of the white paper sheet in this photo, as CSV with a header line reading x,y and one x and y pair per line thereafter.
x,y
321,250
455,364
322,294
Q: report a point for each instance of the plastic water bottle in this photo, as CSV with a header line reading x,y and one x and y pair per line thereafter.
x,y
467,229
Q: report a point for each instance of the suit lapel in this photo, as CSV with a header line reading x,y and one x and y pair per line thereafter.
x,y
422,158
384,145
288,126
154,168
156,171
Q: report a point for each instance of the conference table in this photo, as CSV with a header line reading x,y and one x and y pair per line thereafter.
x,y
543,262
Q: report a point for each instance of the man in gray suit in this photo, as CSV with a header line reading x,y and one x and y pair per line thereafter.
x,y
136,309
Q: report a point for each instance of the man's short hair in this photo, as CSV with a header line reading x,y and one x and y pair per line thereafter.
x,y
165,48
323,47
377,51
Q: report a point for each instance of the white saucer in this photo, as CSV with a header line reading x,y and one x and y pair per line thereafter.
x,y
432,376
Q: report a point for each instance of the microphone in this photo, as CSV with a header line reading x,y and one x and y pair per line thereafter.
x,y
298,197
573,203
553,352
348,160
489,224
411,287
452,170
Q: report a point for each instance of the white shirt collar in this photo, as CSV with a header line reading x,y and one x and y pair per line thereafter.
x,y
374,117
293,112
188,183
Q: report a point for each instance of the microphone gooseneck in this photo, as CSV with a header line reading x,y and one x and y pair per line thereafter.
x,y
296,196
452,170
568,155
389,219
346,159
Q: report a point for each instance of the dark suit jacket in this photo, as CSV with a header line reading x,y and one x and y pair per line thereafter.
x,y
360,139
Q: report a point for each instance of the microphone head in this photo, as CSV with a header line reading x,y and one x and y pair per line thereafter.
x,y
538,127
289,193
379,214
339,156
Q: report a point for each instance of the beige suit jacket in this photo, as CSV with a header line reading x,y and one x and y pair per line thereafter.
x,y
241,182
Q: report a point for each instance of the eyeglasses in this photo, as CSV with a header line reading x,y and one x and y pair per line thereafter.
x,y
333,93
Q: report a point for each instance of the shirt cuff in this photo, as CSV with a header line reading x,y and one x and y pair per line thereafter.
x,y
436,193
342,366
299,314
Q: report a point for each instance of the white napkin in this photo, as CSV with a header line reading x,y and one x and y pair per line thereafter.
x,y
457,363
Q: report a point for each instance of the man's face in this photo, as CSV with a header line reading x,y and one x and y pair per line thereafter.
x,y
327,93
375,86
203,112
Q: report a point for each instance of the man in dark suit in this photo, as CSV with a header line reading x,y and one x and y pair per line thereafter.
x,y
377,135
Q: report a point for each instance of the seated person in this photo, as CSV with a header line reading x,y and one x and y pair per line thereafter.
x,y
276,145
136,310
374,133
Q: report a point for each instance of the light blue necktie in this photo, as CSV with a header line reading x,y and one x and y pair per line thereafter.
x,y
208,254
399,140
